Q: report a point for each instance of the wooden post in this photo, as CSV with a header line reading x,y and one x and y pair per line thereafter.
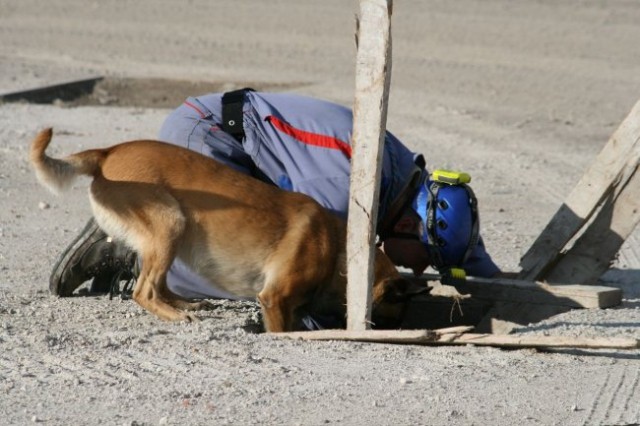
x,y
373,71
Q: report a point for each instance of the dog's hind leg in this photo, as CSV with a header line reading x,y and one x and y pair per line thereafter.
x,y
153,223
151,291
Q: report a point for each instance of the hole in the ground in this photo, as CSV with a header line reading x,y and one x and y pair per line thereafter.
x,y
132,92
437,311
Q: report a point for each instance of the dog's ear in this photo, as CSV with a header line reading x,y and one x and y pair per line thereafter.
x,y
401,290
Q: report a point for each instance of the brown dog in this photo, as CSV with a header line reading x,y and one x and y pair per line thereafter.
x,y
245,236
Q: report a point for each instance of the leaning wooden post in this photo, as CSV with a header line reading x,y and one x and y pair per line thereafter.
x,y
373,72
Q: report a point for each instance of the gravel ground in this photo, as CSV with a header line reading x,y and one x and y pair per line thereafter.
x,y
521,94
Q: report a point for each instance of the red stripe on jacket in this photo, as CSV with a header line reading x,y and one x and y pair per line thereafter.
x,y
189,104
309,138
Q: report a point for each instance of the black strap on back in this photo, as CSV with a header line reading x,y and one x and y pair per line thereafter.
x,y
232,103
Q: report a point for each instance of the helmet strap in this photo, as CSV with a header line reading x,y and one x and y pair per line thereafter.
x,y
430,223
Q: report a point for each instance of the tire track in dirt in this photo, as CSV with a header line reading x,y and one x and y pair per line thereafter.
x,y
616,402
631,404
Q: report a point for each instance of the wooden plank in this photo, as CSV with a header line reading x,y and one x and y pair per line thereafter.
x,y
613,167
380,336
373,74
458,336
376,336
592,254
511,341
531,292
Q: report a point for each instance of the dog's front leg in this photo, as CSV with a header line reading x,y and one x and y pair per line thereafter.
x,y
278,310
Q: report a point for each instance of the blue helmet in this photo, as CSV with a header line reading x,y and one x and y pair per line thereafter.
x,y
448,213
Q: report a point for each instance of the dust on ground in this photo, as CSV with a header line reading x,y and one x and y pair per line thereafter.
x,y
522,95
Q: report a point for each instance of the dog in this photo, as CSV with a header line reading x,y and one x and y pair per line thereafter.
x,y
248,237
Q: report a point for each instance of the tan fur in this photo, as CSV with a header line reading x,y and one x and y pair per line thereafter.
x,y
241,234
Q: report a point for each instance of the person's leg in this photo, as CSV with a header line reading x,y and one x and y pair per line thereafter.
x,y
184,282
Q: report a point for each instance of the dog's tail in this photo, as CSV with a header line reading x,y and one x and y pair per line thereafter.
x,y
57,174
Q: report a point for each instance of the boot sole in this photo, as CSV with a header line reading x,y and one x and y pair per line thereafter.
x,y
55,284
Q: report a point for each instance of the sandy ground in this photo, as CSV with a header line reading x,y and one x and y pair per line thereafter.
x,y
521,94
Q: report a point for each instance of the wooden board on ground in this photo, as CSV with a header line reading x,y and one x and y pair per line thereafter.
x,y
531,292
458,336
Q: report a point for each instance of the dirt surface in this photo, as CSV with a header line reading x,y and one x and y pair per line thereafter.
x,y
521,94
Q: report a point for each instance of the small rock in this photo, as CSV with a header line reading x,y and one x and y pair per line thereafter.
x,y
43,206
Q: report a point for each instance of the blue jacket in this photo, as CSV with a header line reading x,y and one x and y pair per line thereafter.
x,y
300,144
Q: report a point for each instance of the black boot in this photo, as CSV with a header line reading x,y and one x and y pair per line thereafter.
x,y
93,254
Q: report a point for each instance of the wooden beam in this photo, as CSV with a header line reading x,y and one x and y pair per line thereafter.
x,y
378,336
531,292
608,175
591,255
373,74
511,341
458,336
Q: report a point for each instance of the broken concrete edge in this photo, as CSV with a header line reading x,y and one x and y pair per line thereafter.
x,y
49,93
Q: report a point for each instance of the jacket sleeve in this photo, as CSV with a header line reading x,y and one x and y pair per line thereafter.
x,y
480,263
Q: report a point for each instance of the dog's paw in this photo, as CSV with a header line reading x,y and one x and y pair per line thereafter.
x,y
188,317
200,306
184,305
